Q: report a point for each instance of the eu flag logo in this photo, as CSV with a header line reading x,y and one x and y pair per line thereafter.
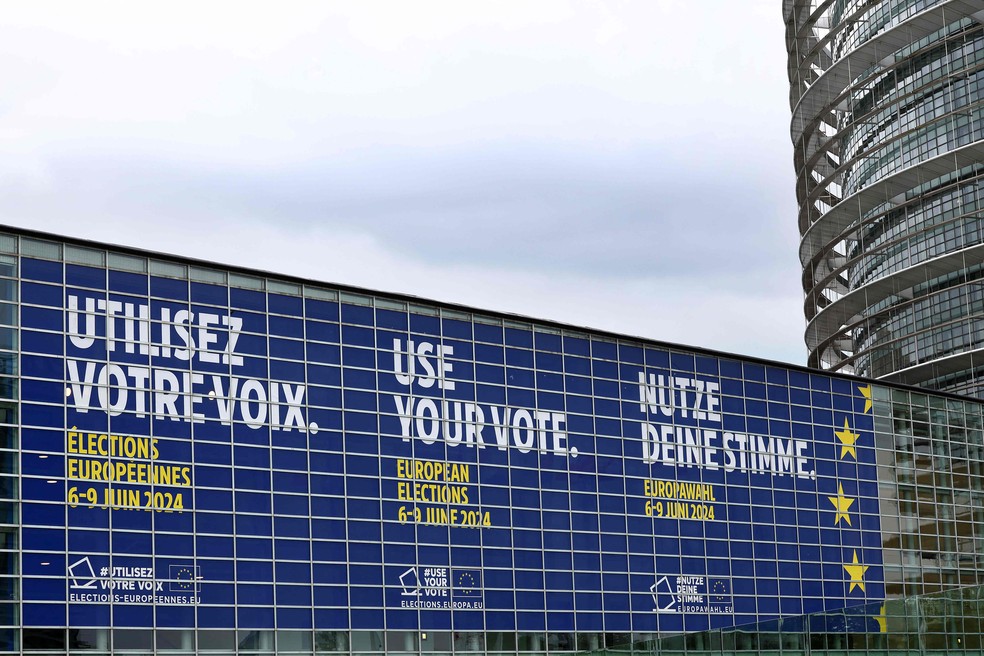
x,y
466,583
185,578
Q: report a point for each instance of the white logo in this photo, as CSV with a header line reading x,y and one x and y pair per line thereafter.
x,y
663,595
81,570
411,588
692,594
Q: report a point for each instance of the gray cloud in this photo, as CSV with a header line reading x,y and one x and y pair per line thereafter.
x,y
535,208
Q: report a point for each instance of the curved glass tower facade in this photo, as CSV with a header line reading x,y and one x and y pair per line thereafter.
x,y
888,134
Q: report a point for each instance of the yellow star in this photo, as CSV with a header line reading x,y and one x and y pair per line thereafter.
x,y
866,393
847,439
856,572
841,504
881,619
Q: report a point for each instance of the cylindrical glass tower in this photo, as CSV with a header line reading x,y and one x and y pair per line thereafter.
x,y
888,134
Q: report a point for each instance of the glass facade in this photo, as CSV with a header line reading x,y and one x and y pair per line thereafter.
x,y
887,130
929,625
207,460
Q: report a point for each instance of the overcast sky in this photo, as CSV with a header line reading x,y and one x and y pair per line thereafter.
x,y
616,165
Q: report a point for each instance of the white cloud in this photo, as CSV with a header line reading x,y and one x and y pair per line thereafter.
x,y
620,165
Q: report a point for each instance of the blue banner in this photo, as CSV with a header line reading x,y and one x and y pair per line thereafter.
x,y
225,457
